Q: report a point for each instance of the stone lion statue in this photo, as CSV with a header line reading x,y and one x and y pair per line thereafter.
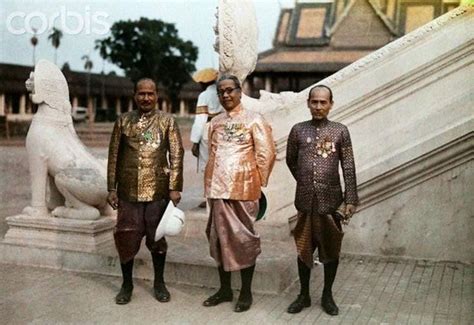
x,y
65,177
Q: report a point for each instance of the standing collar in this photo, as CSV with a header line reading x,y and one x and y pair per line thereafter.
x,y
236,111
319,123
147,114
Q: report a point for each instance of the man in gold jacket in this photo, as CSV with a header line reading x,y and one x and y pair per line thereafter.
x,y
145,171
241,157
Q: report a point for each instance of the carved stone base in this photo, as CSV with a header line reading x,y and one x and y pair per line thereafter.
x,y
65,234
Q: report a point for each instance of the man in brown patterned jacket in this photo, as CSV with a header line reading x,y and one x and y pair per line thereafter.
x,y
315,149
145,171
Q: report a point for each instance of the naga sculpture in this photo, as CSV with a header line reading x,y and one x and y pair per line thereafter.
x,y
65,177
237,45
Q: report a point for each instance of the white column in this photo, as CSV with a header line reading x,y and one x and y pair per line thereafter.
x,y
130,105
118,111
90,109
268,84
23,105
165,106
2,104
103,102
182,108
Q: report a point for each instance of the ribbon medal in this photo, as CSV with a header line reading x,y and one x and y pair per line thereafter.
x,y
234,131
150,139
325,147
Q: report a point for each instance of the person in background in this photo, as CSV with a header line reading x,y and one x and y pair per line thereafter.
x,y
207,107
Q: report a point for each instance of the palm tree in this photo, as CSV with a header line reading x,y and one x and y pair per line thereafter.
x,y
102,51
55,37
34,42
88,64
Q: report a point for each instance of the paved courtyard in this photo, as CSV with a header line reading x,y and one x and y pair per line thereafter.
x,y
368,291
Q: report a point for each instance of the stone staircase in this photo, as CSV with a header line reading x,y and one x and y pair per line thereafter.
x,y
409,108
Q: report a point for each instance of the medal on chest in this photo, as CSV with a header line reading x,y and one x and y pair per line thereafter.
x,y
325,147
234,131
150,138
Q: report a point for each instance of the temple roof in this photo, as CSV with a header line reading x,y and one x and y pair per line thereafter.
x,y
323,37
307,60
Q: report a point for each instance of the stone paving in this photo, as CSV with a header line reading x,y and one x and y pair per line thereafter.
x,y
368,291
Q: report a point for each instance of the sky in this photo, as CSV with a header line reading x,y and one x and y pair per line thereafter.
x,y
84,21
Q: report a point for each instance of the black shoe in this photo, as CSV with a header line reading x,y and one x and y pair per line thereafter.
x,y
301,302
161,293
243,303
328,304
124,296
218,297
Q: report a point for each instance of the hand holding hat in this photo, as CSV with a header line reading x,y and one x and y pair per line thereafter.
x,y
171,223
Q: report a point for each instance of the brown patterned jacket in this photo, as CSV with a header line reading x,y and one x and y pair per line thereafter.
x,y
314,150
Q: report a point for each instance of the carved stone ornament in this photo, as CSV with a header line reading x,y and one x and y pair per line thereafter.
x,y
236,37
65,177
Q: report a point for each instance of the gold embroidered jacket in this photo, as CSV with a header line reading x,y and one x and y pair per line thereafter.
x,y
145,157
241,155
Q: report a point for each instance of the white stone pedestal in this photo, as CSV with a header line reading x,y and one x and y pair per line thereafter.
x,y
65,234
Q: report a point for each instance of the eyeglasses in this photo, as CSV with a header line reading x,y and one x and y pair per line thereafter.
x,y
227,91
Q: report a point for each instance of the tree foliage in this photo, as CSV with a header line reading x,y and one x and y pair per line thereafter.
x,y
55,37
88,64
150,48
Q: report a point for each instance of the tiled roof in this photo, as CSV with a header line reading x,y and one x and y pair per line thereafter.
x,y
306,60
358,30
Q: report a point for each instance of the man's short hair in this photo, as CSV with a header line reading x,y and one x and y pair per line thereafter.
x,y
144,80
229,77
321,86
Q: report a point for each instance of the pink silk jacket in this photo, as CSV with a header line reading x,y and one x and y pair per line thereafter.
x,y
241,155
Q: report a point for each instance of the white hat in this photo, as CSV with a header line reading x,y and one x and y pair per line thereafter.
x,y
205,75
171,223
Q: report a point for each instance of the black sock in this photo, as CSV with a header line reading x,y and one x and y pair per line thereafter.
x,y
159,267
127,274
304,273
330,270
224,278
246,278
